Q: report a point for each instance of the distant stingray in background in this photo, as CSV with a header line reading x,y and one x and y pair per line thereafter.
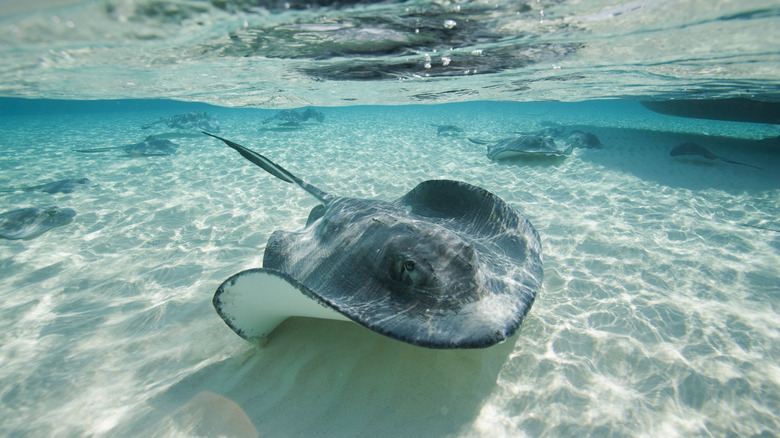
x,y
524,145
576,138
151,146
447,130
583,139
294,118
27,223
69,185
447,265
694,150
285,127
194,120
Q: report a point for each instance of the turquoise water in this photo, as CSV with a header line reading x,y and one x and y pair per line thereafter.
x,y
658,313
657,316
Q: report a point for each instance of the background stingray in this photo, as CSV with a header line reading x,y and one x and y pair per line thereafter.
x,y
151,146
293,118
525,145
27,223
583,139
193,120
448,265
694,150
447,130
68,185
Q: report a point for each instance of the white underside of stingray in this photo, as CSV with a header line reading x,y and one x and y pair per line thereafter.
x,y
254,302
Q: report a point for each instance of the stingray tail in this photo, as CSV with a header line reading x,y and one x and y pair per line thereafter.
x,y
741,164
89,151
152,124
478,141
273,168
760,227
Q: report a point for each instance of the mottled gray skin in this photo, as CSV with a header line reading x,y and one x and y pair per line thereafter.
x,y
448,265
527,145
27,223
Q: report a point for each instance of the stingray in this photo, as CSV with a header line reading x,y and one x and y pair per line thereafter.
x,y
292,116
447,130
525,145
285,127
194,120
151,146
27,223
583,139
69,185
694,150
447,265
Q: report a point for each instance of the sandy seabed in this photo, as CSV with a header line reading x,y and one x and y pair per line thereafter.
x,y
658,314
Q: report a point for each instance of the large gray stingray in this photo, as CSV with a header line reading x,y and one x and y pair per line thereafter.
x,y
69,185
694,150
152,145
27,223
448,265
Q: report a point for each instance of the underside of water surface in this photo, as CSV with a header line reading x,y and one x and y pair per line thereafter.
x,y
278,54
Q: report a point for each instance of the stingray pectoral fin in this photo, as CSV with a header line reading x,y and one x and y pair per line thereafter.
x,y
255,301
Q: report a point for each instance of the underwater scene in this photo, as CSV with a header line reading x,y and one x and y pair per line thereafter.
x,y
389,218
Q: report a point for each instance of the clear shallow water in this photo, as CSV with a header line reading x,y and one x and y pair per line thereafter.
x,y
658,315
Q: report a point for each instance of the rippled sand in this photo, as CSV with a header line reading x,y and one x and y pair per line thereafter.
x,y
658,314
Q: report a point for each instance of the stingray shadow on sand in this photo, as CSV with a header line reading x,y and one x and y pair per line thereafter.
x,y
348,382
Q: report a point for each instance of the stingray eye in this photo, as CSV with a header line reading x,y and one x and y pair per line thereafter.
x,y
408,275
404,270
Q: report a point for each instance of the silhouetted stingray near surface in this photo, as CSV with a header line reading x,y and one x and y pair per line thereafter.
x,y
151,146
27,223
693,149
194,120
447,265
69,185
